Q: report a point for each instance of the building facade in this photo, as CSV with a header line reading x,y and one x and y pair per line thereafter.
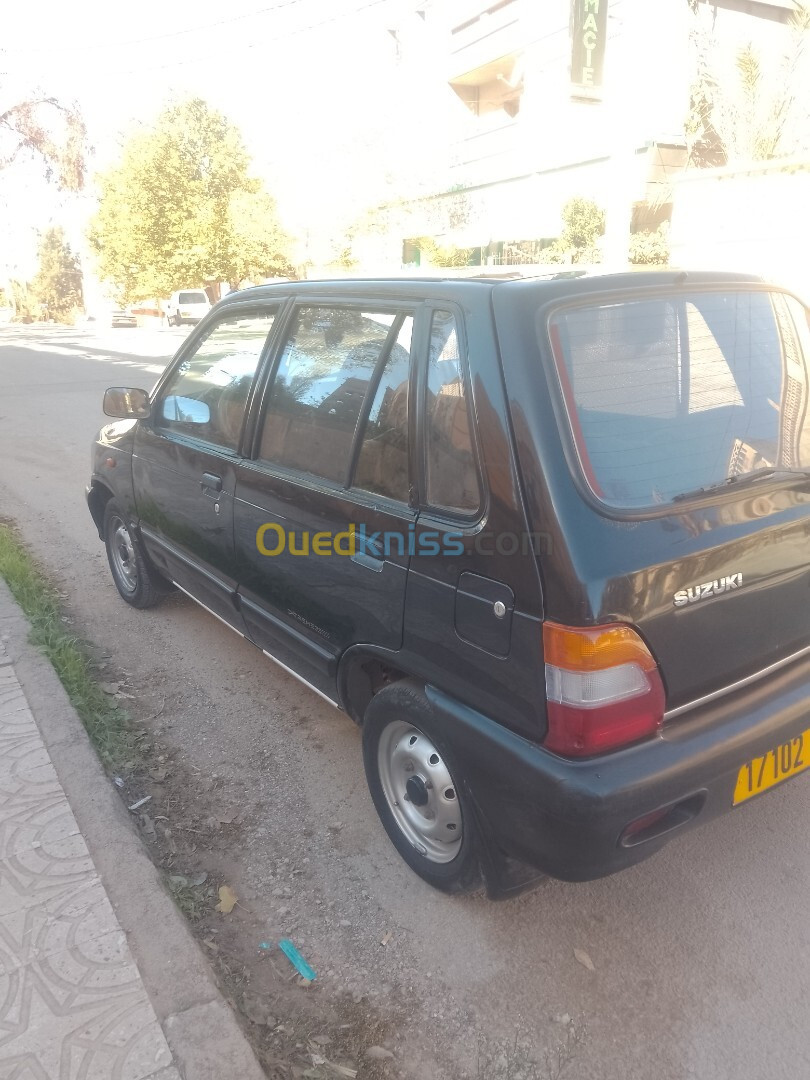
x,y
557,99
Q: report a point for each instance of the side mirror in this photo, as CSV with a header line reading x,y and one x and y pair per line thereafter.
x,y
126,403
186,410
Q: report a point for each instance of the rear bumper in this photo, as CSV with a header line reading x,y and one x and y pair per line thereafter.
x,y
567,818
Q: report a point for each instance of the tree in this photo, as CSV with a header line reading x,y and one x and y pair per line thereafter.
x,y
749,105
583,224
181,209
57,285
45,128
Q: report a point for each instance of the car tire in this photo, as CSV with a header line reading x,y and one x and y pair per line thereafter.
x,y
136,582
418,790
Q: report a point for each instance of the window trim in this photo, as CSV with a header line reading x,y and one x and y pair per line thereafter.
x,y
262,390
675,289
368,401
189,348
444,513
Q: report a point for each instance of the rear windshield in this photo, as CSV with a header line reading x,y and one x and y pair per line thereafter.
x,y
192,298
674,393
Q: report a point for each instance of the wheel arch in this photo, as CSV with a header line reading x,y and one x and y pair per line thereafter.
x,y
363,671
97,498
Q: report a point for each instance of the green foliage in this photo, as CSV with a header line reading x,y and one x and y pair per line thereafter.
x,y
447,256
26,308
650,247
57,286
584,223
181,208
46,129
750,105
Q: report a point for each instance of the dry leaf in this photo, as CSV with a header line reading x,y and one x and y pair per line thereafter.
x,y
386,938
584,959
227,900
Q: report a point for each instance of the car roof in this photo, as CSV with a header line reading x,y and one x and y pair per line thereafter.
x,y
567,281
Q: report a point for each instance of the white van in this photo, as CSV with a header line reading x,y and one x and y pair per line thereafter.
x,y
187,306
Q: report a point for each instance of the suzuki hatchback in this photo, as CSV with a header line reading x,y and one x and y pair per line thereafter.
x,y
546,541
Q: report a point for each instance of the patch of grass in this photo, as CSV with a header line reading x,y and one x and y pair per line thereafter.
x,y
108,726
194,900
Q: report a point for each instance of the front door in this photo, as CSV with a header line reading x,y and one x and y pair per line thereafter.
x,y
322,512
185,458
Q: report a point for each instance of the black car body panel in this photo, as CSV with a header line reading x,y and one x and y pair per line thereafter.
x,y
715,584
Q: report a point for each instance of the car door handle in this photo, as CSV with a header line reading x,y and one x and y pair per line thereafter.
x,y
362,558
211,482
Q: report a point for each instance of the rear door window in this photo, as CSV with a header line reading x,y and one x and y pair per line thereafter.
x,y
670,394
332,360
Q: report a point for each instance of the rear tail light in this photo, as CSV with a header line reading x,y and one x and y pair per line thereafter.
x,y
603,688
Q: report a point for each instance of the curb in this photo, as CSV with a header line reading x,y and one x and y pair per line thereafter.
x,y
200,1027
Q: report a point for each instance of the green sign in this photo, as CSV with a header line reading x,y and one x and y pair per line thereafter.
x,y
588,36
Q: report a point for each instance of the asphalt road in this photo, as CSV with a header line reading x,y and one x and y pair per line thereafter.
x,y
701,955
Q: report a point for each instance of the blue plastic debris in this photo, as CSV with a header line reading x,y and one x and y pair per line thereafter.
x,y
296,959
265,945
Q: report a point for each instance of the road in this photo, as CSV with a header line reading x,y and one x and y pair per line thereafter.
x,y
701,954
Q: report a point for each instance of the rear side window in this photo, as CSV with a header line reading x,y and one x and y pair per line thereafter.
x,y
670,394
452,479
331,361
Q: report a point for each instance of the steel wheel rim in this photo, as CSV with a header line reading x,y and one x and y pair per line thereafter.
x,y
123,555
420,792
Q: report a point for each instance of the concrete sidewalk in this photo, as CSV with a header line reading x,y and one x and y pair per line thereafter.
x,y
99,974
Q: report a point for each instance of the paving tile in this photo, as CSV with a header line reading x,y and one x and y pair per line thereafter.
x,y
59,925
16,721
34,824
25,885
12,698
21,754
29,782
72,1004
76,1037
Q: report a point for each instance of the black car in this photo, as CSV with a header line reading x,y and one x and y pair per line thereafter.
x,y
546,541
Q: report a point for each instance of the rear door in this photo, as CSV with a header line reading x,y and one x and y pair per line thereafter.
x,y
186,454
686,429
323,513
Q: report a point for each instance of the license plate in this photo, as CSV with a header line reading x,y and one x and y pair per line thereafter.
x,y
780,763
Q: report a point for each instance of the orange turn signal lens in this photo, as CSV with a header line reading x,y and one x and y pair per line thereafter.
x,y
594,648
